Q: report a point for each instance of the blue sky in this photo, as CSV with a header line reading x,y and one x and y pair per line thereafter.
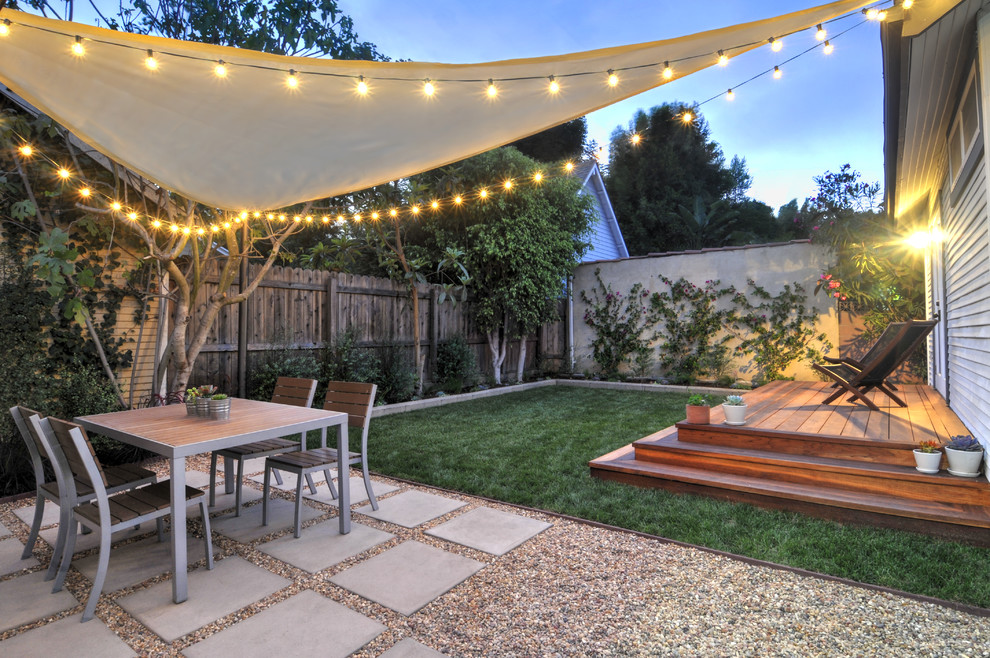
x,y
824,112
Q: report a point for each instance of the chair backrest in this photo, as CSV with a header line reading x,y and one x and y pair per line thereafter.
x,y
294,391
888,336
36,448
355,399
896,351
79,458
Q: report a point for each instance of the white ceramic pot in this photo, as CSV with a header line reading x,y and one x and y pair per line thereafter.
x,y
927,462
735,414
964,462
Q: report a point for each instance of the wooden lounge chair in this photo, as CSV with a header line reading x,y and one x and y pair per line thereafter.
x,y
119,478
356,400
76,463
288,390
858,377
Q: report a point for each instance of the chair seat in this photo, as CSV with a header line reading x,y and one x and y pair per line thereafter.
x,y
260,448
309,458
130,505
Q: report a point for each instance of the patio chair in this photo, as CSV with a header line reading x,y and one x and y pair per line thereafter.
x,y
858,377
356,400
77,464
119,478
288,390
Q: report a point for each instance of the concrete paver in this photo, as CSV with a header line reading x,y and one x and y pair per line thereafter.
x,y
358,493
407,577
410,648
306,624
139,561
10,557
67,637
247,527
489,530
321,545
412,508
29,597
5,532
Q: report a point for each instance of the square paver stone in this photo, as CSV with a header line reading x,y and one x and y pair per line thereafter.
x,y
233,584
227,500
48,517
137,562
410,648
411,508
321,545
288,479
489,530
201,480
29,598
305,624
247,527
67,637
10,557
4,531
358,493
407,577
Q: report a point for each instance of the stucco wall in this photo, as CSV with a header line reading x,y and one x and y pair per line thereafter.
x,y
771,266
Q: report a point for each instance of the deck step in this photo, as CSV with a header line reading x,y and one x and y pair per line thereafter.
x,y
622,465
814,470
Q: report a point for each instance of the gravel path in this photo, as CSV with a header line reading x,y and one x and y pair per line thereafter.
x,y
582,590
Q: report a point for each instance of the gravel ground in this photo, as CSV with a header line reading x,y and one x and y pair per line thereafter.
x,y
582,590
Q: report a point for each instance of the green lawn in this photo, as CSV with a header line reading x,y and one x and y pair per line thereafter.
x,y
532,448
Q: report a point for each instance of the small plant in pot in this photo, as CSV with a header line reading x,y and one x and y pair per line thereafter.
x,y
965,455
734,408
191,395
220,407
206,392
698,409
927,457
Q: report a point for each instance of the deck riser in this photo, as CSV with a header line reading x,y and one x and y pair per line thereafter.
x,y
870,452
823,477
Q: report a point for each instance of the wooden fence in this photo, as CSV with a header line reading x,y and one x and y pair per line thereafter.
x,y
302,309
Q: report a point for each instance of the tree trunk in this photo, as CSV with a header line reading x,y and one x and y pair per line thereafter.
x,y
522,358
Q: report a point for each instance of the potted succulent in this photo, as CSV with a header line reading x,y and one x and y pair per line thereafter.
x,y
927,457
191,395
220,407
698,409
734,408
965,455
206,392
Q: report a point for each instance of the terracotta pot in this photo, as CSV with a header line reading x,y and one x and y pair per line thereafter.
x,y
698,415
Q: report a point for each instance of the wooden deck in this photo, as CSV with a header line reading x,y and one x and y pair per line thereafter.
x,y
840,461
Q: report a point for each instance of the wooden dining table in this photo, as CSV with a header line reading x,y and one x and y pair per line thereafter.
x,y
170,432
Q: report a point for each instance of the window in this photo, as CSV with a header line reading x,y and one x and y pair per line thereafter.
x,y
964,133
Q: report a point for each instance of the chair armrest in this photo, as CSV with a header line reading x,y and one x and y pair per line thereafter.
x,y
846,360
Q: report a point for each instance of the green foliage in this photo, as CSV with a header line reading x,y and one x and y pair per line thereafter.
x,y
343,361
623,326
704,226
780,330
457,367
699,400
564,142
397,378
281,360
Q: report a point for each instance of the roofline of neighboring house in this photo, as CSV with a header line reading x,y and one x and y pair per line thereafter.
x,y
707,250
610,219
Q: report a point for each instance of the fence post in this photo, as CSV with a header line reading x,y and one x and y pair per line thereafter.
x,y
330,322
434,331
242,321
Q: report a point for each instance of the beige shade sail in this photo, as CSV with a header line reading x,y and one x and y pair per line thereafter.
x,y
250,141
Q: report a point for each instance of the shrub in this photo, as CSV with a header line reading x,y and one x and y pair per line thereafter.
x,y
343,361
281,360
457,367
397,378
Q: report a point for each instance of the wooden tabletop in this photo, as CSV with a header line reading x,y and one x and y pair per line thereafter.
x,y
171,432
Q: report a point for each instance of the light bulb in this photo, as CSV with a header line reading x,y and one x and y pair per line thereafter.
x,y
538,177
85,192
687,117
215,228
507,184
201,231
174,228
157,223
428,88
635,138
907,4
132,216
820,33
116,205
270,217
220,70
340,219
186,230
730,95
77,47
374,216
871,14
292,80
309,219
777,73
325,219
723,59
393,212
881,15
483,194
668,72
243,214
150,62
226,226
26,150
256,215
492,89
569,166
64,173
613,79
554,85
776,44
435,205
282,218
362,86
828,48
458,200
414,210
4,27
297,219
357,217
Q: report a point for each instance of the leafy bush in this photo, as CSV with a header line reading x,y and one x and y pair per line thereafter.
x,y
397,378
343,361
457,367
281,360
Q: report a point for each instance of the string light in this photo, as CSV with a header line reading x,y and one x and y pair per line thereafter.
x,y
220,70
186,230
881,15
777,73
820,32
309,219
270,217
174,228
215,228
325,219
458,200
428,87
77,47
374,216
156,223
150,62
414,210
340,219
362,86
483,194
635,138
776,44
569,167
257,215
26,150
554,85
492,89
292,80
907,4
357,217
4,27
687,117
282,218
132,216
613,79
393,212
85,192
872,13
828,48
64,173
723,59
507,184
730,95
297,219
668,72
116,206
435,205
